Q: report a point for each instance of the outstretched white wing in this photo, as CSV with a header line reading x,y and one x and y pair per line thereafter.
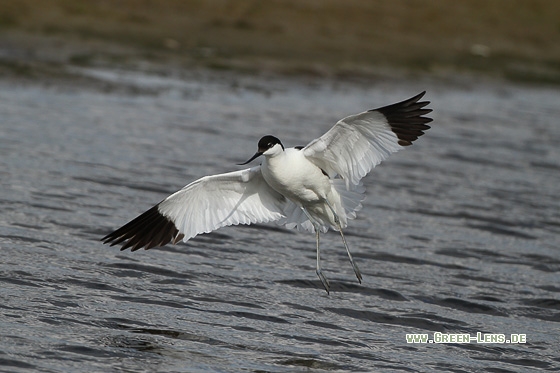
x,y
350,149
358,143
240,197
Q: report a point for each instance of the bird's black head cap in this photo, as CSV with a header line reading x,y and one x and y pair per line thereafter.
x,y
265,143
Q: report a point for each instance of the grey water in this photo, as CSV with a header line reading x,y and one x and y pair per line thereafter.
x,y
459,232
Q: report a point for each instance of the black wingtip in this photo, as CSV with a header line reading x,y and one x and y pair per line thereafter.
x,y
406,118
150,229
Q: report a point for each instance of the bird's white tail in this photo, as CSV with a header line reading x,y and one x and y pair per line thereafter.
x,y
350,201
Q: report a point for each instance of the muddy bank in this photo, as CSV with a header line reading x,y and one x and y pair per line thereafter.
x,y
520,42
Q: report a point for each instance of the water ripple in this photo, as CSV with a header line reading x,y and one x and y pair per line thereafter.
x,y
459,234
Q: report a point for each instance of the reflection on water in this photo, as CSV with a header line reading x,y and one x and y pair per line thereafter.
x,y
458,233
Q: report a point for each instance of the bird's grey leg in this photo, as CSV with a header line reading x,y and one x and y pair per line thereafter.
x,y
337,221
322,277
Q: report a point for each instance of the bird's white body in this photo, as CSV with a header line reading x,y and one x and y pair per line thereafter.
x,y
313,188
291,174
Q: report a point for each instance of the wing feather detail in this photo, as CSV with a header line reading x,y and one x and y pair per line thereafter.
x,y
209,203
358,143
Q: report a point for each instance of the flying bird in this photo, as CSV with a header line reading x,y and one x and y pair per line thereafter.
x,y
314,188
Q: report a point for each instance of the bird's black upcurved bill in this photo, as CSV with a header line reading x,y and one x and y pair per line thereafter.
x,y
257,154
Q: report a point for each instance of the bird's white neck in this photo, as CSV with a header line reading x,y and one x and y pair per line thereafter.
x,y
274,151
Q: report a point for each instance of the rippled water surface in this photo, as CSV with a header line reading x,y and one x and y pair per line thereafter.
x,y
459,233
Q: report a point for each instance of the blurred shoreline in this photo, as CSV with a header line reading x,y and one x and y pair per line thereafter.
x,y
52,40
